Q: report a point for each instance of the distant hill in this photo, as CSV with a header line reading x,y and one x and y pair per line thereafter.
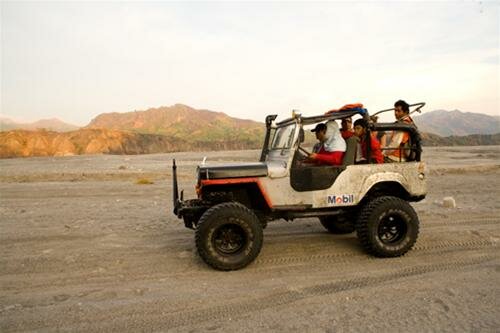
x,y
182,128
53,124
458,123
7,124
165,129
429,139
22,143
186,124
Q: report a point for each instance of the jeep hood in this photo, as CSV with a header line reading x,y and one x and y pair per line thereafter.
x,y
233,171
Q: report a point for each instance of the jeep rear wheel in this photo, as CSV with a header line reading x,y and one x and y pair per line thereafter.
x,y
228,236
337,224
387,227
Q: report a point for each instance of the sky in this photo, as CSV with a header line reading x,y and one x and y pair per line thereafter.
x,y
76,60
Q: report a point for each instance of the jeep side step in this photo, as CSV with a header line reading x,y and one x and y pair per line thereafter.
x,y
303,211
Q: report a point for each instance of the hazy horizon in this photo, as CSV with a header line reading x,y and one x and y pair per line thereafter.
x,y
75,60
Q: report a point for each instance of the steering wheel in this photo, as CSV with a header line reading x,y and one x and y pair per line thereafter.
x,y
304,150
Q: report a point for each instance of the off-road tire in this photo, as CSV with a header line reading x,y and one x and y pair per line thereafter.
x,y
337,224
228,236
387,227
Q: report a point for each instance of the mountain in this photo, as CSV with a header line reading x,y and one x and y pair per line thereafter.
x,y
165,129
7,124
182,128
185,123
22,143
53,124
429,140
458,123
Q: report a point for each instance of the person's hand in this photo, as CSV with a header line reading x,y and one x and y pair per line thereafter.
x,y
312,156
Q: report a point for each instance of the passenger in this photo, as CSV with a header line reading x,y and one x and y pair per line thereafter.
x,y
331,146
396,140
360,129
346,129
380,135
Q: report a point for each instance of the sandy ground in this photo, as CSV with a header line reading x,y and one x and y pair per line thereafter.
x,y
86,249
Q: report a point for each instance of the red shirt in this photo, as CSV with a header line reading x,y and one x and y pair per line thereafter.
x,y
346,134
376,153
329,157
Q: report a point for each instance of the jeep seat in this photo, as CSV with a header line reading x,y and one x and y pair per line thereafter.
x,y
350,152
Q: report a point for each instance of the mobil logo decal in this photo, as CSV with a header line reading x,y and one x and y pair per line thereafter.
x,y
341,199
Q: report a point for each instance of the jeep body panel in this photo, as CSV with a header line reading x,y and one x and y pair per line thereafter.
x,y
350,187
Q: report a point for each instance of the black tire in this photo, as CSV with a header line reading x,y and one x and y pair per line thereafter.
x,y
337,224
228,236
387,227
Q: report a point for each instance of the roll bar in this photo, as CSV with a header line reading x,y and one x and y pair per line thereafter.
x,y
419,106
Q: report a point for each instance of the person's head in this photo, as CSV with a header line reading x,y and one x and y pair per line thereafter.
x,y
320,131
401,109
360,126
346,124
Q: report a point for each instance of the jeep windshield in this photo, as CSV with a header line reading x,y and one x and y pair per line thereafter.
x,y
283,138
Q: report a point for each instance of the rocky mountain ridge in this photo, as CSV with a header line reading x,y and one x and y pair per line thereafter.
x,y
178,128
22,143
185,123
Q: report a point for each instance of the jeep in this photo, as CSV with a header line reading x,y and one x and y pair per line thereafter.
x,y
235,202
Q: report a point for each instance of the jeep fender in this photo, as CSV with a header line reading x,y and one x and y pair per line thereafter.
x,y
248,191
383,181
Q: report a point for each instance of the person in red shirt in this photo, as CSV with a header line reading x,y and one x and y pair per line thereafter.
x,y
346,129
330,148
360,128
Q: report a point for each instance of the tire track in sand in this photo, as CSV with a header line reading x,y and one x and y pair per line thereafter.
x,y
469,221
338,257
263,263
171,320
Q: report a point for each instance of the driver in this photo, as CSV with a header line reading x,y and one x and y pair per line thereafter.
x,y
330,147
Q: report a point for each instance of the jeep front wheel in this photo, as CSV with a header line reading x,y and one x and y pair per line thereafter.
x,y
387,227
337,224
229,236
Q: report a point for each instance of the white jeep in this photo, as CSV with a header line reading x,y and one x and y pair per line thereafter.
x,y
235,202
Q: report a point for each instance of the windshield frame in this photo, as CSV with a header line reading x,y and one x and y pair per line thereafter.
x,y
291,128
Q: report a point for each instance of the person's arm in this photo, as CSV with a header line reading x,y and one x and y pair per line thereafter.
x,y
375,145
383,140
333,158
376,152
